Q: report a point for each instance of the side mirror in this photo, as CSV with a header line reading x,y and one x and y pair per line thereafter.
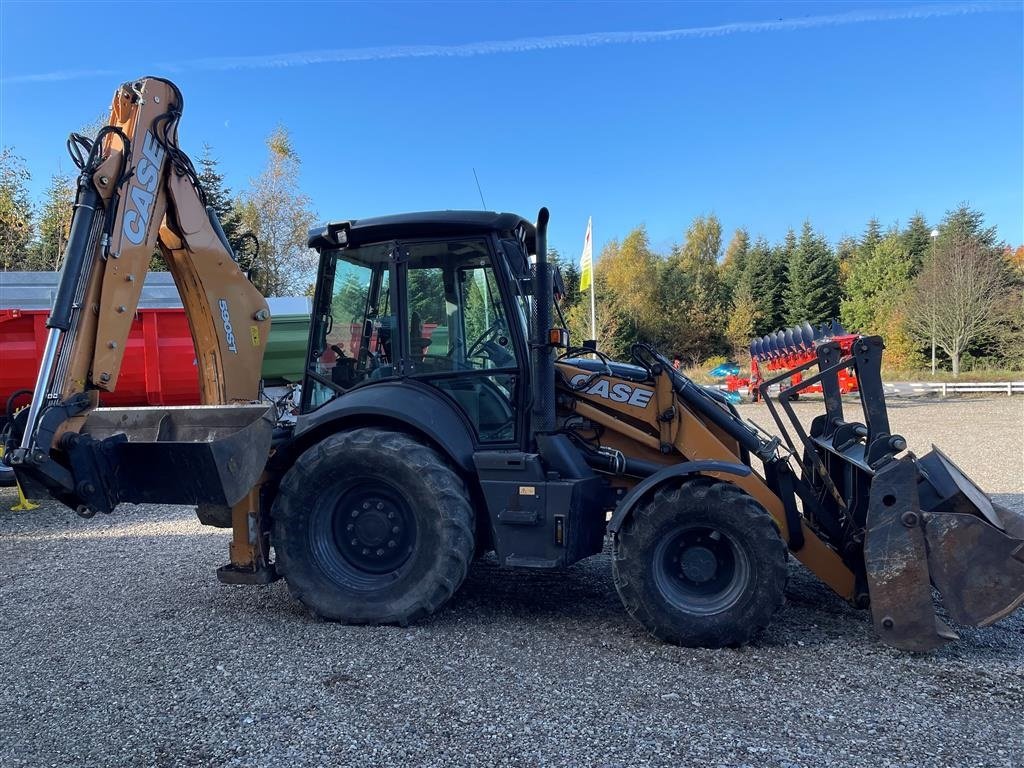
x,y
557,283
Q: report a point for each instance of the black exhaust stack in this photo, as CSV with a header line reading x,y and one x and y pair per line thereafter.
x,y
543,363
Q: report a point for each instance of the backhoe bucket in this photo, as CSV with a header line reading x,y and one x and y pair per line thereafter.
x,y
184,455
929,525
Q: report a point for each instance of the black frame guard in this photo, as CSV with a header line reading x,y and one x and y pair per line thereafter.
x,y
903,525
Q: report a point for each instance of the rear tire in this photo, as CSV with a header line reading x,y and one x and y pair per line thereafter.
x,y
701,564
372,527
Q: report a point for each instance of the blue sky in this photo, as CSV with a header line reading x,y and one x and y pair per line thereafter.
x,y
765,114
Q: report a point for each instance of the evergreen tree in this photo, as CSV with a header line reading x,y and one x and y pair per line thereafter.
x,y
872,237
813,291
878,282
965,223
571,280
219,197
765,277
916,240
877,291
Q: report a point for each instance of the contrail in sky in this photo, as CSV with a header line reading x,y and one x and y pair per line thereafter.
x,y
530,44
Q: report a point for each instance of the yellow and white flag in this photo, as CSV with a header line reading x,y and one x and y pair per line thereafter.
x,y
587,261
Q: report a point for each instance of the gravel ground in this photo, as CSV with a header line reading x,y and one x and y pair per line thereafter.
x,y
120,648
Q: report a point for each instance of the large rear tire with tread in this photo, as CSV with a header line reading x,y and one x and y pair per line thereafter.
x,y
701,564
371,526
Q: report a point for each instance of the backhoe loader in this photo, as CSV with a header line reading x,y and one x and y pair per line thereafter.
x,y
443,415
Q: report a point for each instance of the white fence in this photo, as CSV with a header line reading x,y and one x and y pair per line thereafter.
x,y
942,388
956,387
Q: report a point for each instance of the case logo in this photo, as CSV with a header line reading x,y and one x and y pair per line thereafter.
x,y
617,393
142,191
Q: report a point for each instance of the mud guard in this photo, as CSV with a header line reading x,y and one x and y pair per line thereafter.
x,y
684,469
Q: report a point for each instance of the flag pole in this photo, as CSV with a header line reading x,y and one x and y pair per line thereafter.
x,y
587,275
593,309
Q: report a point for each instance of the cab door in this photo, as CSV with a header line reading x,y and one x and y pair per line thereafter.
x,y
460,337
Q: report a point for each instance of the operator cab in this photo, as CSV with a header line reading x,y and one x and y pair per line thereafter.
x,y
440,299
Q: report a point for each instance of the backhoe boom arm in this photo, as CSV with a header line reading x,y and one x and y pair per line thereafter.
x,y
138,193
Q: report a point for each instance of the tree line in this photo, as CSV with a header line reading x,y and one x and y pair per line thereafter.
x,y
267,223
956,285
960,289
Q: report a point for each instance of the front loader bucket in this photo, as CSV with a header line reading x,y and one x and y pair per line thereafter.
x,y
184,455
919,524
929,525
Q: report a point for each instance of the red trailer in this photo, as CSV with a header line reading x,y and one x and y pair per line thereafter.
x,y
159,364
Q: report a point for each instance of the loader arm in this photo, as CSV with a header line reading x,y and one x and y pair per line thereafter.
x,y
877,524
138,192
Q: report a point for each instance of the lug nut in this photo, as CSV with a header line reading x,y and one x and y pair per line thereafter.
x,y
380,505
392,544
366,505
395,529
391,515
380,552
366,551
888,623
354,542
349,527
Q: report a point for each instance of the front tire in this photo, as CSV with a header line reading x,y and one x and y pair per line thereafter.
x,y
372,527
701,564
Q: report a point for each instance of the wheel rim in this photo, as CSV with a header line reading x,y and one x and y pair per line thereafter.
x,y
701,570
363,533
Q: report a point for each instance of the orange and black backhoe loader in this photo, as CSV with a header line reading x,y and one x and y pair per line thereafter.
x,y
443,416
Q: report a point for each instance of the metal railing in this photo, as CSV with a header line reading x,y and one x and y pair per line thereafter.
x,y
945,388
942,388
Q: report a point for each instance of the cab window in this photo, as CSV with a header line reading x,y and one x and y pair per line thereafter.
x,y
457,320
354,335
460,339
